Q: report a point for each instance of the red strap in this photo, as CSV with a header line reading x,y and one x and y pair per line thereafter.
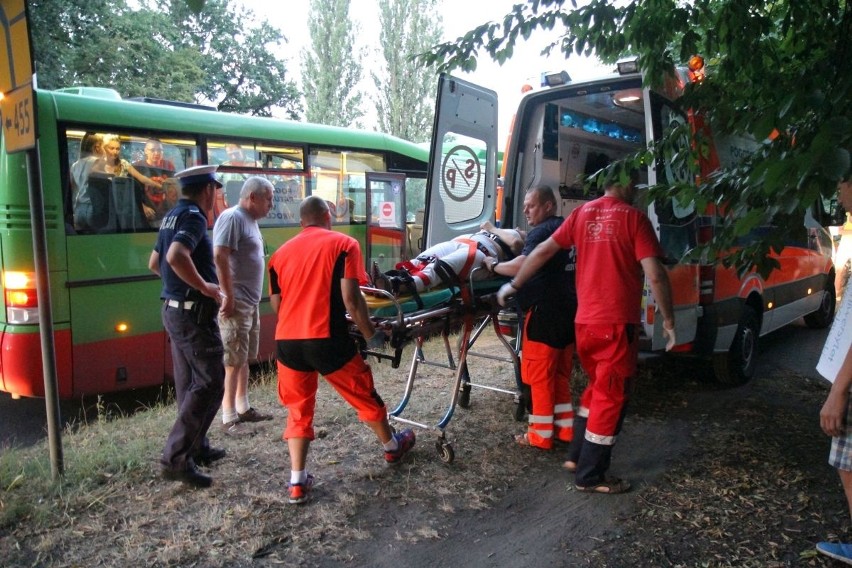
x,y
471,255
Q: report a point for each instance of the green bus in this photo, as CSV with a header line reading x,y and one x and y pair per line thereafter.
x,y
105,302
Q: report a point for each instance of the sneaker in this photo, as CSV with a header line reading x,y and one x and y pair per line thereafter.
x,y
379,280
252,415
299,491
836,550
405,441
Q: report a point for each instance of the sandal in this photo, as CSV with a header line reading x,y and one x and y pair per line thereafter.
x,y
611,486
524,440
570,467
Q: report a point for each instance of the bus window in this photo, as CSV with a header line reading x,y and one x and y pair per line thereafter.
x,y
122,184
339,178
286,195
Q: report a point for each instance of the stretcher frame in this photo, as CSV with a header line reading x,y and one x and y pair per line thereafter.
x,y
470,315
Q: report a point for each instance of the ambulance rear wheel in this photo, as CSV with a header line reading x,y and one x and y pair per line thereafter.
x,y
736,367
823,317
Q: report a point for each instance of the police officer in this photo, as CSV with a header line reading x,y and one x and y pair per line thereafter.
x,y
183,258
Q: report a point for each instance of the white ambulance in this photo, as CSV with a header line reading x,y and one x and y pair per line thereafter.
x,y
571,129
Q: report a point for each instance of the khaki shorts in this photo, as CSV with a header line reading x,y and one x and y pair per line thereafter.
x,y
240,335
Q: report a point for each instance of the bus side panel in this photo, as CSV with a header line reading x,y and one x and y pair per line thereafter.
x,y
118,337
21,368
119,364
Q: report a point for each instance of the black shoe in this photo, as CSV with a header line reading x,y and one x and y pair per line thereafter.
x,y
379,279
190,476
210,455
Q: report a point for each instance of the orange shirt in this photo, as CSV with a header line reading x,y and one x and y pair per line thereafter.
x,y
306,272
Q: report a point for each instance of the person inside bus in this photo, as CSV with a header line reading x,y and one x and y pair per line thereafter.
x,y
451,262
91,149
158,169
237,157
113,165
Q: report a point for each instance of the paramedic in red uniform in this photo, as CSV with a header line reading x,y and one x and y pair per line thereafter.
x,y
549,302
313,282
615,243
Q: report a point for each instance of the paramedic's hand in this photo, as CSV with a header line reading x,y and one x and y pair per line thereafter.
x,y
669,333
505,292
377,342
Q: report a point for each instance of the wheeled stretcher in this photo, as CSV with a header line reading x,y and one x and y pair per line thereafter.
x,y
468,309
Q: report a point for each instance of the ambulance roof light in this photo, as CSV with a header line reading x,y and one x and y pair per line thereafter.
x,y
628,65
555,79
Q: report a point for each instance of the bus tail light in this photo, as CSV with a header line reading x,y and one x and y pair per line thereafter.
x,y
21,297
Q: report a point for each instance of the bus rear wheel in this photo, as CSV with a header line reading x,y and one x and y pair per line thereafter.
x,y
736,367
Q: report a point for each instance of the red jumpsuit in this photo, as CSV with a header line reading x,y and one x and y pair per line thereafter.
x,y
549,301
611,237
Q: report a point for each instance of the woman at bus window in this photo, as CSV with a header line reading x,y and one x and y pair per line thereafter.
x,y
91,150
114,165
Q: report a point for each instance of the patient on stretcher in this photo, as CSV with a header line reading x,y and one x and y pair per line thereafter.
x,y
451,262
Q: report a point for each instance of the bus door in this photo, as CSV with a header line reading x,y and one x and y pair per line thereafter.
x,y
461,190
676,224
386,228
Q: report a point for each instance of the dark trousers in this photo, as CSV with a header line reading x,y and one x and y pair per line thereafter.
x,y
199,384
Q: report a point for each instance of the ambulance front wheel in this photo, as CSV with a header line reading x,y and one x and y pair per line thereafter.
x,y
736,367
823,317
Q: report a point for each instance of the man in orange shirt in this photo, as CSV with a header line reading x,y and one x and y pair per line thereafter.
x,y
313,282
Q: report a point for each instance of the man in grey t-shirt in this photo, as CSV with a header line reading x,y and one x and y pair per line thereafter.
x,y
239,258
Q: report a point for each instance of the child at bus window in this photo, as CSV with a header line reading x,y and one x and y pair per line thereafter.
x,y
91,148
113,165
156,167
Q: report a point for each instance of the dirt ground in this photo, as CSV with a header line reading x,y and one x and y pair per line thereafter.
x,y
733,477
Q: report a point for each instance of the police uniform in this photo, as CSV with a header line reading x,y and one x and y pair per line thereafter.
x,y
190,320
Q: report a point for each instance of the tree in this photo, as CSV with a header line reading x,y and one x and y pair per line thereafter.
x,y
775,68
405,91
241,73
331,69
157,53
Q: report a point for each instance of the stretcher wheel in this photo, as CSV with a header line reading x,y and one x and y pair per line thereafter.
x,y
464,398
445,450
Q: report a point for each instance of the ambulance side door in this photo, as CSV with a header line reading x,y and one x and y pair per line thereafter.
x,y
461,191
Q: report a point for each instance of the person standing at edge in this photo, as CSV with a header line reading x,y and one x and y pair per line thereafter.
x,y
549,302
183,258
313,282
835,419
615,243
238,255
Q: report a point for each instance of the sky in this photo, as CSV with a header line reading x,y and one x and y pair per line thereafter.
x,y
459,17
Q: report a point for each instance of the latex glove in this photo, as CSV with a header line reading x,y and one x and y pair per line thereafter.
x,y
377,342
669,334
505,292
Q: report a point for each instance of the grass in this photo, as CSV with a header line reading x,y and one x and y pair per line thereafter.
x,y
111,497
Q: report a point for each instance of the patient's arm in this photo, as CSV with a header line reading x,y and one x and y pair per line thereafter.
x,y
513,238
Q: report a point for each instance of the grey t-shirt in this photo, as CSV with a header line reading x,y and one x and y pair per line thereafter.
x,y
238,231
